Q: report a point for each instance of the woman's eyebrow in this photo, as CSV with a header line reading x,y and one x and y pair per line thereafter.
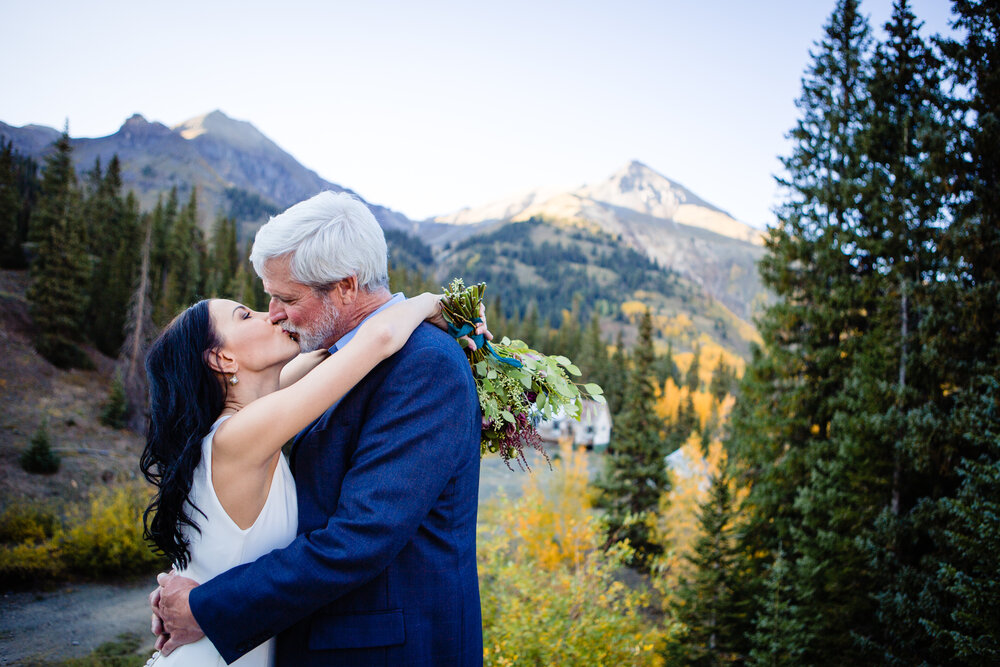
x,y
239,308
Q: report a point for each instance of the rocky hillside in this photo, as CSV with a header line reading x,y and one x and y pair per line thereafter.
x,y
34,392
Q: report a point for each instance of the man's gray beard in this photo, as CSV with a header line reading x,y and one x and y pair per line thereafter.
x,y
314,338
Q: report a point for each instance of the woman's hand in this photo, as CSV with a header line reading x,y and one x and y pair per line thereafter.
x,y
437,319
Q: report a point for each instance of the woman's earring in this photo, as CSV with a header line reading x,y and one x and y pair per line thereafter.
x,y
234,379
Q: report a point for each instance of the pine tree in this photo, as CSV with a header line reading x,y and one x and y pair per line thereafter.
x,y
666,368
223,260
692,379
966,573
530,330
60,266
58,190
183,254
710,604
250,287
114,243
39,458
635,474
794,386
779,638
162,257
936,541
723,380
617,378
10,209
593,358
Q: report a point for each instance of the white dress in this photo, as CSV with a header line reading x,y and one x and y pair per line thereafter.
x,y
222,545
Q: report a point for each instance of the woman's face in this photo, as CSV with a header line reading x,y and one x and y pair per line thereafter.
x,y
249,337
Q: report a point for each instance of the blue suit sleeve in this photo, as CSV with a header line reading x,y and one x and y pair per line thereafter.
x,y
420,417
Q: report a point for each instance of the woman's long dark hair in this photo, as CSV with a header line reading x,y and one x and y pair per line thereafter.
x,y
186,397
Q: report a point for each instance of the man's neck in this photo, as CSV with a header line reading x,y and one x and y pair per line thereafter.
x,y
366,304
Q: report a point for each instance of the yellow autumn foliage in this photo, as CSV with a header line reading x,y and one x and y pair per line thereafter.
x,y
633,309
551,595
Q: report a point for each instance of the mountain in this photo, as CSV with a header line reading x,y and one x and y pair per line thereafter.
x,y
557,267
237,170
633,240
648,212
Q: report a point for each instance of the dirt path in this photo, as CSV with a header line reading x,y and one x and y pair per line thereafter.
x,y
70,622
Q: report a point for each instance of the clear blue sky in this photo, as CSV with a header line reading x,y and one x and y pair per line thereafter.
x,y
426,107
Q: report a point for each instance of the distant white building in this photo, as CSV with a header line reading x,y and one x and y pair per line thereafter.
x,y
592,431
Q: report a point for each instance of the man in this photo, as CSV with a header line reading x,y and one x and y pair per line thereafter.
x,y
383,571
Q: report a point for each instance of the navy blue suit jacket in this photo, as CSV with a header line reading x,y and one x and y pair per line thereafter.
x,y
383,571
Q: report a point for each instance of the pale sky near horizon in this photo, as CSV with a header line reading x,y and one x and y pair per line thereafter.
x,y
428,107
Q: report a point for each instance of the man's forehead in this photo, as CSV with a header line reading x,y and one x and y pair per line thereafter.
x,y
277,276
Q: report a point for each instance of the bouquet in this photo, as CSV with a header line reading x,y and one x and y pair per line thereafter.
x,y
517,385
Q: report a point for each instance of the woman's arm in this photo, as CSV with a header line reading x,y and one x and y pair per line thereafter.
x,y
254,434
297,368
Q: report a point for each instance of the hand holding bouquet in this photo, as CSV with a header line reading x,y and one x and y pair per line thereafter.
x,y
517,385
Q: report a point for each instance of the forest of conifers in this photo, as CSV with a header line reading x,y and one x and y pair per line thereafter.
x,y
855,514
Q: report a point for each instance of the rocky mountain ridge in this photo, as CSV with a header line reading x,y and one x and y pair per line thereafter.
x,y
649,213
240,172
227,160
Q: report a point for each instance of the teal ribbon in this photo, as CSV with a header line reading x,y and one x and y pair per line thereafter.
x,y
480,341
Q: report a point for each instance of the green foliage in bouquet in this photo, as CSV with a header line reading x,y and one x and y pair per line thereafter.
x,y
517,385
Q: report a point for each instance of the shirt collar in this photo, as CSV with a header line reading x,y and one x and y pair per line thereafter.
x,y
398,297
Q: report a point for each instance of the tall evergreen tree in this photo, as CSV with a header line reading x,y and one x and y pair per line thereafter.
x,y
162,257
250,287
185,254
10,209
593,358
711,604
635,474
617,378
666,368
58,190
114,245
60,266
692,378
781,435
723,380
941,606
223,260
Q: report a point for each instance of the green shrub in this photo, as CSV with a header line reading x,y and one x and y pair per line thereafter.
x,y
29,564
39,457
115,408
21,523
108,540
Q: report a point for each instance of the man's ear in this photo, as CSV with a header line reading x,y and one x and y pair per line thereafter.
x,y
346,290
220,361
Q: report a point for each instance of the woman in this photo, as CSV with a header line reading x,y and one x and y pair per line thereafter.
x,y
224,399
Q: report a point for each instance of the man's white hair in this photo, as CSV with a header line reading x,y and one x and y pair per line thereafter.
x,y
330,236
